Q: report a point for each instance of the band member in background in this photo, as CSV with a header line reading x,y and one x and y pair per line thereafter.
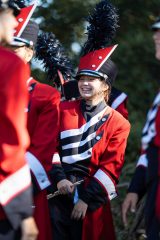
x,y
15,180
42,123
43,111
146,178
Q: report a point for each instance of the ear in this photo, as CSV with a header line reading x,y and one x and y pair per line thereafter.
x,y
29,54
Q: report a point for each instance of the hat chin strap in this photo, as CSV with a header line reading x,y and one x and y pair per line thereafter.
x,y
20,42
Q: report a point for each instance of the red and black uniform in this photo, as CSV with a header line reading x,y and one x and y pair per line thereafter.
x,y
43,127
118,101
147,172
92,142
15,181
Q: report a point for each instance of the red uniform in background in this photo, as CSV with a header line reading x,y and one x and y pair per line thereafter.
x,y
146,176
15,182
43,127
42,124
118,101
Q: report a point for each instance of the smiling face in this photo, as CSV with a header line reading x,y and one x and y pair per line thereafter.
x,y
156,38
92,89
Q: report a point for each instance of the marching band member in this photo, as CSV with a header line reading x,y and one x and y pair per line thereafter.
x,y
93,139
15,181
146,178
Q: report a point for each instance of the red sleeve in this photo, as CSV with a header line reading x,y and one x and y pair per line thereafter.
x,y
157,125
14,172
110,166
44,139
14,99
113,158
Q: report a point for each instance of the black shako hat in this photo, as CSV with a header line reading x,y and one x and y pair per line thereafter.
x,y
28,37
111,70
98,48
71,90
26,33
30,32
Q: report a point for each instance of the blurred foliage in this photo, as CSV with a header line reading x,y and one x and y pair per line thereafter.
x,y
138,68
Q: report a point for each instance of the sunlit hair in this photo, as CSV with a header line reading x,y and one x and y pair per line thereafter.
x,y
107,92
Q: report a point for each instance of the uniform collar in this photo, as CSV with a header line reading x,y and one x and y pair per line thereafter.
x,y
90,111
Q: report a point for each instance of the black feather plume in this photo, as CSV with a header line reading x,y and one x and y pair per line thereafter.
x,y
103,23
50,51
18,3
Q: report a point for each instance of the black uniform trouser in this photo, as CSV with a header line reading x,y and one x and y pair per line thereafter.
x,y
63,227
7,232
152,225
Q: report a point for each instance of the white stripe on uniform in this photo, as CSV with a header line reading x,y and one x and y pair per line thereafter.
x,y
38,171
84,128
107,183
14,184
118,100
142,161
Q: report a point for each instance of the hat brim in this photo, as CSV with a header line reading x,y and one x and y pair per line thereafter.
x,y
20,42
91,74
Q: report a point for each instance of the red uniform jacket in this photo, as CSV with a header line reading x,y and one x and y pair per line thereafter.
x,y
43,127
93,145
15,192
